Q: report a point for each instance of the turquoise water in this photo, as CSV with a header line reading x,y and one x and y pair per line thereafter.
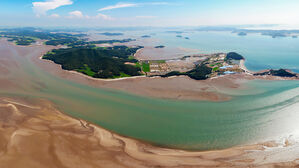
x,y
261,52
269,113
266,110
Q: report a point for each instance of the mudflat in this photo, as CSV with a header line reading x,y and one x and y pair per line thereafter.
x,y
36,134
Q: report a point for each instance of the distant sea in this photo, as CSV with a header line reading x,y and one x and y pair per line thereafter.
x,y
261,52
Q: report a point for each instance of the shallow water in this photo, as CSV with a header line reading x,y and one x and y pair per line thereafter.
x,y
266,110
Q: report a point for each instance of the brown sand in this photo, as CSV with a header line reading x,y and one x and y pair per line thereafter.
x,y
34,134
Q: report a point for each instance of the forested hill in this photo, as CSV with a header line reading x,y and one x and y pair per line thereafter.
x,y
104,63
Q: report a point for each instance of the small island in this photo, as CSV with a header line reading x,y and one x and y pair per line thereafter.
x,y
242,34
160,46
146,36
280,73
111,34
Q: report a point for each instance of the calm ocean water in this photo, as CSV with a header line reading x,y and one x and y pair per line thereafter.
x,y
261,52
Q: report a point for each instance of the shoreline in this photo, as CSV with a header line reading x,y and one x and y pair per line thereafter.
x,y
77,138
92,78
242,66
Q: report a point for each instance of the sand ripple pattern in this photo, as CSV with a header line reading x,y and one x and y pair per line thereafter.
x,y
34,134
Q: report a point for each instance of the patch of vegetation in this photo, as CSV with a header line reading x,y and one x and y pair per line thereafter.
x,y
233,56
217,64
111,34
160,46
98,63
86,70
20,40
215,69
158,61
138,65
280,73
122,75
111,41
200,72
146,67
24,41
185,57
146,36
131,57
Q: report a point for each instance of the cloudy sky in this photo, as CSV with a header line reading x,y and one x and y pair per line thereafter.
x,y
147,12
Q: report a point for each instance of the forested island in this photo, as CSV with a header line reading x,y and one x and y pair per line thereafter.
x,y
146,36
111,34
160,46
280,73
106,63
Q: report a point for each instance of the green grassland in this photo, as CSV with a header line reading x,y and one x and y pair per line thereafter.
x,y
146,67
86,70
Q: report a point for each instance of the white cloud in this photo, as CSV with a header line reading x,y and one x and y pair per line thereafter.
x,y
104,17
119,5
77,14
54,16
41,8
127,5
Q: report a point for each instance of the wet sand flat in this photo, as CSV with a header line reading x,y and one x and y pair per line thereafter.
x,y
35,134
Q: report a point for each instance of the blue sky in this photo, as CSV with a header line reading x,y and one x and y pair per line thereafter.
x,y
147,12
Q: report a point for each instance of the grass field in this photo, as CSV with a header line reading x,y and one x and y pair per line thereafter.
x,y
215,69
146,67
87,71
131,57
159,61
138,65
122,75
